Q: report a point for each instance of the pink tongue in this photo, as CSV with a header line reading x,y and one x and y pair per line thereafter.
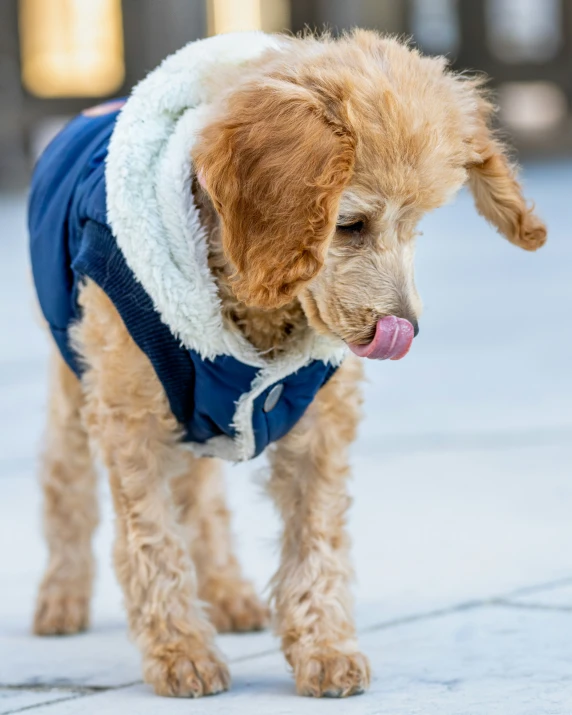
x,y
393,338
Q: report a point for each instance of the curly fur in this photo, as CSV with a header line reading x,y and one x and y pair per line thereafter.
x,y
313,134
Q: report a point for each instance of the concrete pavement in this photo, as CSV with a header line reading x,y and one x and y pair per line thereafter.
x,y
461,522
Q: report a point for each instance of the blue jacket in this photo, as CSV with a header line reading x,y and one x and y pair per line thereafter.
x,y
70,239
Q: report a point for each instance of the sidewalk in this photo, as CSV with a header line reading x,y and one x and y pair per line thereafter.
x,y
461,523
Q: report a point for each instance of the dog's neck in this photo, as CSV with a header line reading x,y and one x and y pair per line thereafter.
x,y
270,331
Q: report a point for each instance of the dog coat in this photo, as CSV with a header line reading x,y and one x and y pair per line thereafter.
x,y
111,200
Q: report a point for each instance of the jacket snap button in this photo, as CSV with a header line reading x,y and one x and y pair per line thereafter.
x,y
272,398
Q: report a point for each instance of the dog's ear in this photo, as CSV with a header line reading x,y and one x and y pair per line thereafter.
x,y
492,179
275,165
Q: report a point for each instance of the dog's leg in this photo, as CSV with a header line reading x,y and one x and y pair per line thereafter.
x,y
70,510
199,494
128,414
311,589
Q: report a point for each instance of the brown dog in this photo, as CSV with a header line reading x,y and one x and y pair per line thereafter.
x,y
312,166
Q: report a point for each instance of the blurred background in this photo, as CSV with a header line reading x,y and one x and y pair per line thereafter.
x,y
58,56
461,472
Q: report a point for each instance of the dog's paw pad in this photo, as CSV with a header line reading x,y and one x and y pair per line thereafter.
x,y
234,607
60,611
175,670
331,674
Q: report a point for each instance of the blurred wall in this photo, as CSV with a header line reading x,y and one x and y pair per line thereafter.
x,y
152,30
155,29
387,15
13,167
524,45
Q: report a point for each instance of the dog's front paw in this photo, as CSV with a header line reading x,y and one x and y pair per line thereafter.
x,y
61,609
330,673
234,606
179,670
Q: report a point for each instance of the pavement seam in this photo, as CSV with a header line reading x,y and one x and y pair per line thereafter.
x,y
539,588
79,689
472,605
427,615
503,601
76,696
532,606
75,693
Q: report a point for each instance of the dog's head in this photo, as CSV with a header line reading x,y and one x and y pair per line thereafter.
x,y
321,166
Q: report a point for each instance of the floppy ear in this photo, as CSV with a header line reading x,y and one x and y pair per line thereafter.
x,y
497,193
275,166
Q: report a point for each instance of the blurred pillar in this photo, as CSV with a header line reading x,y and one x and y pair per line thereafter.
x,y
434,25
240,15
275,15
71,49
233,16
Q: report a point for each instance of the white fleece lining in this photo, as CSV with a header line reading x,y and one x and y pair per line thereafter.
x,y
157,226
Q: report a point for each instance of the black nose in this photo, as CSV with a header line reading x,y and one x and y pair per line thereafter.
x,y
415,325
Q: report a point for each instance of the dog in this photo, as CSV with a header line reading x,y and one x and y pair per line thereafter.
x,y
213,257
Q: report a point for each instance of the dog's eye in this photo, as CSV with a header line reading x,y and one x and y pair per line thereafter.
x,y
355,227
